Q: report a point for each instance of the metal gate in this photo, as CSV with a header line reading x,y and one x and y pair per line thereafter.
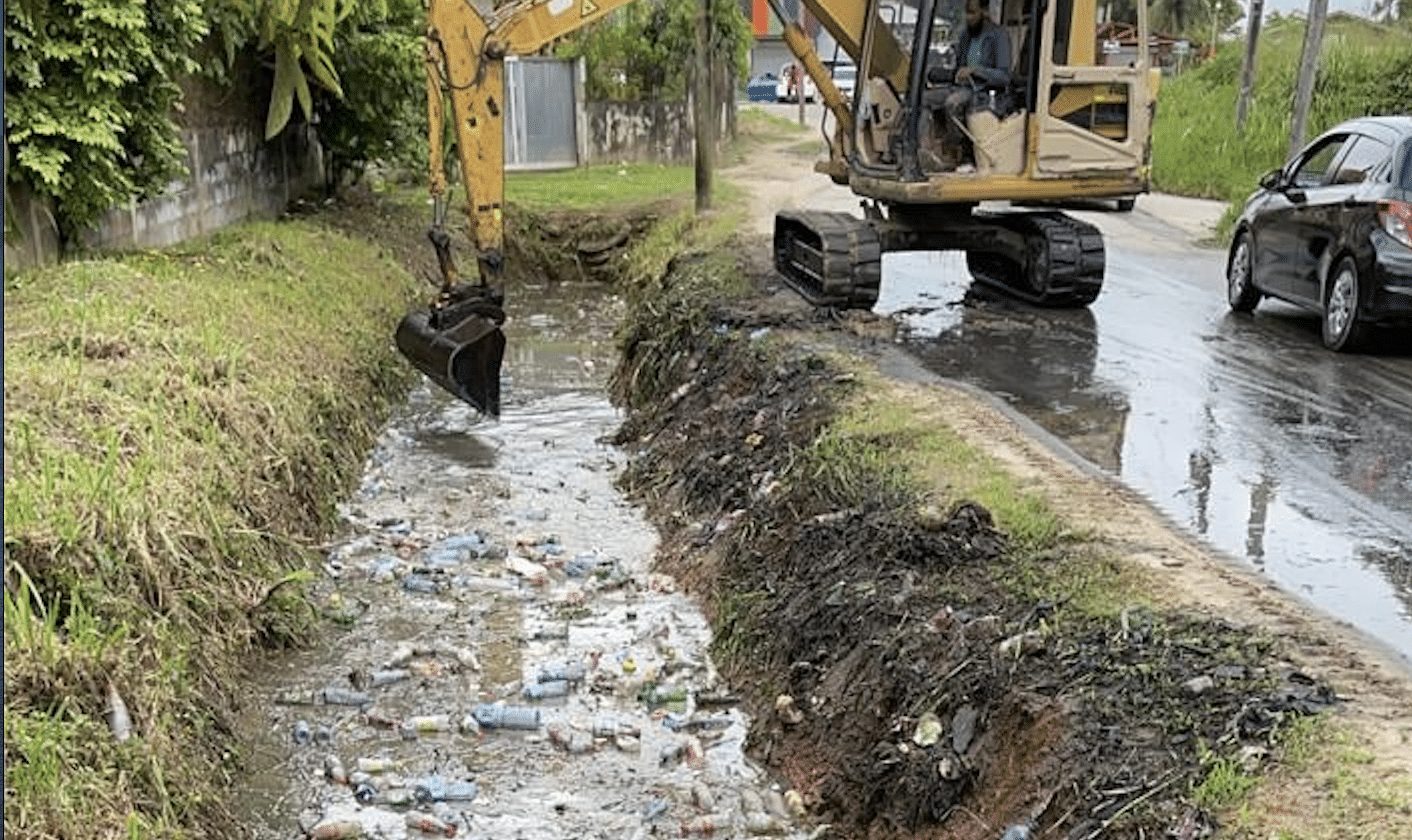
x,y
541,114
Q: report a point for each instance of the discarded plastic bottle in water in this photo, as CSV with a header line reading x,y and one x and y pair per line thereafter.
x,y
545,690
336,696
437,789
500,716
469,725
570,671
365,792
333,769
376,765
1016,832
302,734
418,724
608,727
323,735
705,825
336,830
570,740
661,695
429,824
395,797
378,679
702,797
764,824
421,584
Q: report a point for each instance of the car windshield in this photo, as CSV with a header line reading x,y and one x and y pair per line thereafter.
x,y
845,73
1407,165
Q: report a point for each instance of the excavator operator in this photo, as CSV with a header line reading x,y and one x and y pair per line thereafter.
x,y
982,79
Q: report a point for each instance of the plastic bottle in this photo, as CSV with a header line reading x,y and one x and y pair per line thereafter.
x,y
661,695
705,825
702,797
336,830
337,696
500,716
546,690
609,727
395,797
429,824
570,671
333,770
570,740
365,792
323,735
764,824
421,584
378,679
376,765
302,734
418,724
437,789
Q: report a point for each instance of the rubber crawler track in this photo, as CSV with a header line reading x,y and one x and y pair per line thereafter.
x,y
831,259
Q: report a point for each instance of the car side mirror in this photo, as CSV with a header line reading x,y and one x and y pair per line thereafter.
x,y
1272,180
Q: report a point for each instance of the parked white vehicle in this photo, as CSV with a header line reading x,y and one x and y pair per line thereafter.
x,y
784,91
845,78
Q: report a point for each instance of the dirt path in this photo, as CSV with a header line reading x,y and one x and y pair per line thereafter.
x,y
1375,756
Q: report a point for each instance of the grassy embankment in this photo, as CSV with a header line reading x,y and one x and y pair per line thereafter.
x,y
178,425
1365,68
873,442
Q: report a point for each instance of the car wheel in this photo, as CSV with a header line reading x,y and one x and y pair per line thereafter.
x,y
1241,293
1344,329
1125,205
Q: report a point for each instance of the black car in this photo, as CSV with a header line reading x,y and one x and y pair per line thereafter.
x,y
1332,231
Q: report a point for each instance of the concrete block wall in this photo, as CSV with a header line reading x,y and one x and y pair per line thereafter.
x,y
638,132
233,174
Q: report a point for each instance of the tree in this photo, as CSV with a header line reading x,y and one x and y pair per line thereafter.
x,y
381,116
643,51
91,88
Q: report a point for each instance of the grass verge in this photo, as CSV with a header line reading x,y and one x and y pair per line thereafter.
x,y
860,555
1365,68
178,426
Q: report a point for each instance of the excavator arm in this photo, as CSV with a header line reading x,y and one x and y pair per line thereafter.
x,y
456,341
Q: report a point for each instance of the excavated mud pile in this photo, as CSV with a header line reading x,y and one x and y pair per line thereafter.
x,y
894,677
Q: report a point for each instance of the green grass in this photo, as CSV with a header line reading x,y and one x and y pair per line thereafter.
x,y
599,187
178,425
888,443
1364,68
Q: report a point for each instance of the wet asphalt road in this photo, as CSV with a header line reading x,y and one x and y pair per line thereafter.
x,y
1242,429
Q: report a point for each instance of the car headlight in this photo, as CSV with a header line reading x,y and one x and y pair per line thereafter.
x,y
1396,220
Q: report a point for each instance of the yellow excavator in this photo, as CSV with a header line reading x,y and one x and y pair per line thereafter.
x,y
1059,125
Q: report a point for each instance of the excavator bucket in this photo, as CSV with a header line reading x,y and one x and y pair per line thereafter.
x,y
459,346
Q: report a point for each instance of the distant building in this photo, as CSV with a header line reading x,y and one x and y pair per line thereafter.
x,y
769,53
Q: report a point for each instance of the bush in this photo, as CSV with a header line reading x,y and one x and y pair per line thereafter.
x,y
1364,68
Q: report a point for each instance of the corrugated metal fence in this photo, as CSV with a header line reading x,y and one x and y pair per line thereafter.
x,y
542,113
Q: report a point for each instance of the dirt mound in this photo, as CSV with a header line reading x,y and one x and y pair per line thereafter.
x,y
897,679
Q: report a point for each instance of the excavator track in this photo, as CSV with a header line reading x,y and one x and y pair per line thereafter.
x,y
830,259
1049,259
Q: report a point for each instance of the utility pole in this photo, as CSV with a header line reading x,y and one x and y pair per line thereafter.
x,y
701,106
1247,67
1308,70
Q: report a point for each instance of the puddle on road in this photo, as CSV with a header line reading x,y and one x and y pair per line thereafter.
x,y
534,560
1245,431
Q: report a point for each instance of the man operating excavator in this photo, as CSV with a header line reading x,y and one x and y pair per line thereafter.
x,y
982,71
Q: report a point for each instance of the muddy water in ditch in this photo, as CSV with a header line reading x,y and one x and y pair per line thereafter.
x,y
474,556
